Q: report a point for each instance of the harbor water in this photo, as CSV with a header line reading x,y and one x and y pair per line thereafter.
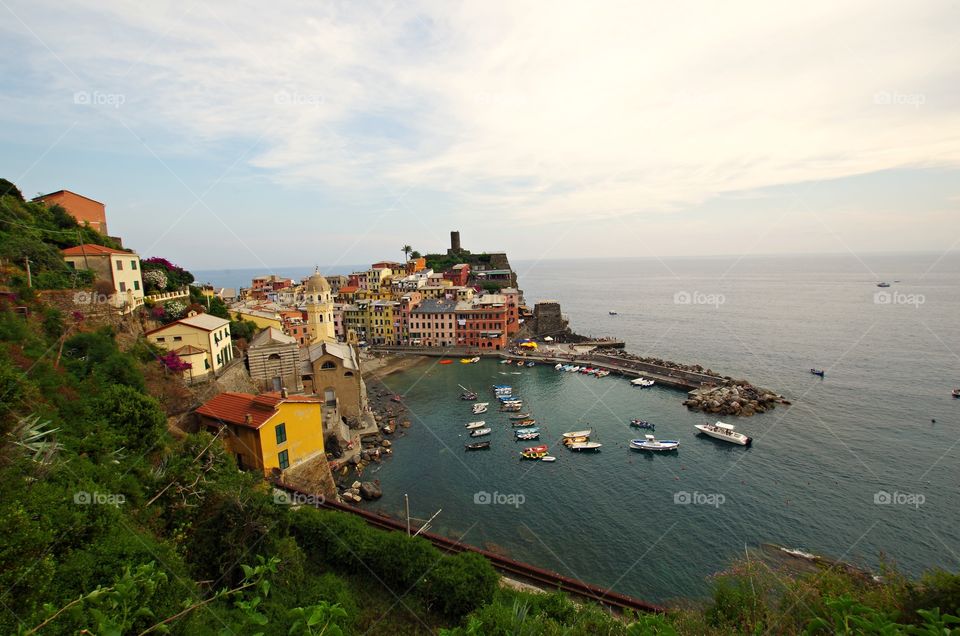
x,y
863,464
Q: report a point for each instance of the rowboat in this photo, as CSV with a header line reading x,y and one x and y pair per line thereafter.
x,y
584,433
536,449
468,396
479,408
519,416
724,432
548,458
480,432
642,382
651,443
534,452
528,436
643,424
532,429
511,408
446,362
559,366
575,440
473,425
528,421
477,445
584,446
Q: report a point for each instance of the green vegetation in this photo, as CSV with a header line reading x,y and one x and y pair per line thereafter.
x,y
111,525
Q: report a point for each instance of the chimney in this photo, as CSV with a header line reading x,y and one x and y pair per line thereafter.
x,y
283,393
248,419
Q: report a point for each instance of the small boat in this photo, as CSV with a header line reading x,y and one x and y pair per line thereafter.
x,y
534,452
520,416
559,366
575,440
651,443
528,436
819,372
955,393
505,362
612,313
465,360
512,408
528,421
480,432
396,398
475,359
479,408
883,284
584,446
536,449
725,432
473,425
602,373
548,458
529,429
446,362
642,382
643,424
477,445
531,364
584,433
468,396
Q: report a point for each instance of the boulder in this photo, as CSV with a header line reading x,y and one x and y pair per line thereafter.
x,y
370,490
385,443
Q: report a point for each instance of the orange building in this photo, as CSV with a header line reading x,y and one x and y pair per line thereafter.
x,y
83,209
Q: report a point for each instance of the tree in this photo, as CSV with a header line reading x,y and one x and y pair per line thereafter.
x,y
7,188
406,249
136,419
415,254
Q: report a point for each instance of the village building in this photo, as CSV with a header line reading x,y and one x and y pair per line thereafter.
x,y
273,359
331,370
85,210
119,268
201,332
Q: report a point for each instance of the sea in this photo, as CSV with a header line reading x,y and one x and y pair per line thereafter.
x,y
863,467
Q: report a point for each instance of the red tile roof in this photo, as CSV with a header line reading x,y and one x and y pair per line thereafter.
x,y
233,408
91,249
348,289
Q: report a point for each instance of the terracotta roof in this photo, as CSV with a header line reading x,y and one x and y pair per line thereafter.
x,y
188,350
91,249
233,408
348,289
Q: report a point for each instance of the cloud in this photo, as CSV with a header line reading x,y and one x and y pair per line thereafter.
x,y
535,111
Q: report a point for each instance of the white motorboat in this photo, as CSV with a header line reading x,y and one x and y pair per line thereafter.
x,y
480,432
479,408
726,432
559,366
651,443
473,425
642,382
548,458
613,313
584,446
584,433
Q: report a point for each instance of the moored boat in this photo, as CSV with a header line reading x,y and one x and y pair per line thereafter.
x,y
559,366
531,363
583,433
480,432
955,393
520,416
469,395
819,372
883,284
642,382
480,407
651,443
534,452
529,429
725,432
527,421
548,458
528,436
473,425
446,362
575,440
584,446
477,445
643,424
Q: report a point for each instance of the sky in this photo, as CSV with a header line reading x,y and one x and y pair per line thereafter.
x,y
243,134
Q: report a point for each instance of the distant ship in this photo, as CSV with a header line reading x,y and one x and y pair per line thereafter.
x,y
883,284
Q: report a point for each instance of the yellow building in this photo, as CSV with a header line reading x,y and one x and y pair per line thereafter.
x,y
263,319
188,337
381,317
269,432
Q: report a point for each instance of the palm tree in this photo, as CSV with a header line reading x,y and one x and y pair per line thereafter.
x,y
406,249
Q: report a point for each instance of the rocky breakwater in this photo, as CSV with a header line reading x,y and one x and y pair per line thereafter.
x,y
733,397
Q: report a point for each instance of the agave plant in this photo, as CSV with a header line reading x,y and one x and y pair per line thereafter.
x,y
36,438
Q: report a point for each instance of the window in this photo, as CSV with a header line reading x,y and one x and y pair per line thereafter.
x,y
281,431
123,286
136,285
161,339
177,338
133,264
119,266
284,458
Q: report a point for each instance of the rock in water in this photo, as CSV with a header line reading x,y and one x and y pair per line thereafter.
x,y
369,490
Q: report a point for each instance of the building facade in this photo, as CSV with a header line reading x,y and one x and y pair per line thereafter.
x,y
84,209
203,331
119,268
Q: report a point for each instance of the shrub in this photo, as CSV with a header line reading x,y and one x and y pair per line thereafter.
x,y
137,420
459,584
